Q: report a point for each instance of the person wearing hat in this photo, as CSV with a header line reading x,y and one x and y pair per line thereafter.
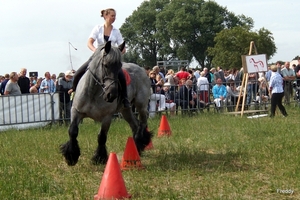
x,y
170,98
102,34
64,87
276,89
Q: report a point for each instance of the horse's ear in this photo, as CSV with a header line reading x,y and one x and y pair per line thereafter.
x,y
122,46
107,47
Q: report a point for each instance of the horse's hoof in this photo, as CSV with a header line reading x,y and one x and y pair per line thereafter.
x,y
99,161
71,152
71,162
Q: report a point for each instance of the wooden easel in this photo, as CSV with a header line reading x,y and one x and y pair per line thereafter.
x,y
245,82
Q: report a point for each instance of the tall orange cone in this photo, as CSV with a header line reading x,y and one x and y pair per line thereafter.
x,y
131,158
164,128
112,185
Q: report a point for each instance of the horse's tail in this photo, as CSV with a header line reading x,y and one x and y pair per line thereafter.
x,y
143,138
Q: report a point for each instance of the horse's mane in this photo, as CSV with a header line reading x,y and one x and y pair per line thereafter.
x,y
112,57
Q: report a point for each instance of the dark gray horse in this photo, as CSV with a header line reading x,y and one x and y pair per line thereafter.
x,y
97,98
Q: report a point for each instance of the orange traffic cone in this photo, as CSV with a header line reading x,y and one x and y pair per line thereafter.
x,y
112,185
149,146
131,158
164,128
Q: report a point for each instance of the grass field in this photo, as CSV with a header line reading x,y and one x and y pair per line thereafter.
x,y
208,156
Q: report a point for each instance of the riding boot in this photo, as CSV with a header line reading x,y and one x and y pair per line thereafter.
x,y
79,73
124,96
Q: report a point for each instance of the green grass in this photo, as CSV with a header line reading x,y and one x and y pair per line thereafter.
x,y
208,156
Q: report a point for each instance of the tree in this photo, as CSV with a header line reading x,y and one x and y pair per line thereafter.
x,y
234,42
191,26
180,29
140,32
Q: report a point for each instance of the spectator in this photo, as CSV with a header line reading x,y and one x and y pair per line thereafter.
x,y
196,73
170,98
1,79
193,79
232,94
182,76
171,80
212,76
38,83
160,82
34,80
207,74
3,83
147,70
219,93
252,88
155,96
186,96
263,93
276,88
203,88
47,85
60,75
12,87
288,78
268,74
64,87
24,81
297,72
222,75
157,71
230,75
53,77
278,65
33,89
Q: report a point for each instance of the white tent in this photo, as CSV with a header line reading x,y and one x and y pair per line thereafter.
x,y
294,62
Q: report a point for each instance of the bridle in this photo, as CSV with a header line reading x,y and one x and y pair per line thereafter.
x,y
101,81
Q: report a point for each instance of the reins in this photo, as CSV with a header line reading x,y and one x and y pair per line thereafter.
x,y
101,81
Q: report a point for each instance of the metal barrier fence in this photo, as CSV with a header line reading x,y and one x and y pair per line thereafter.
x,y
257,98
28,110
39,109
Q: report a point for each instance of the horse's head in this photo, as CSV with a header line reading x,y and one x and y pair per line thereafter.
x,y
106,73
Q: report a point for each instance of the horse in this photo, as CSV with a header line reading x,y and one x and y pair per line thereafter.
x,y
97,97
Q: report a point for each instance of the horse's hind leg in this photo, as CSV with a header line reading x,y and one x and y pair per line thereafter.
x,y
100,156
70,150
141,135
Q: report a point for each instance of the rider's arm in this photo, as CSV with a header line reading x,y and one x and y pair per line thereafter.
x,y
90,44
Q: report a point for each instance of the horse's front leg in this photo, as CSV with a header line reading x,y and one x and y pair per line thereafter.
x,y
70,150
100,156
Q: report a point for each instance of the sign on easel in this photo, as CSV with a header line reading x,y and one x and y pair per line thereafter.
x,y
251,64
254,63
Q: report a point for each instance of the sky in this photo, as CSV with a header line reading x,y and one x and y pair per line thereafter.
x,y
35,34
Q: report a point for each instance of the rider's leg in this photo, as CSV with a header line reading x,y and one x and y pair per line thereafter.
x,y
123,89
79,73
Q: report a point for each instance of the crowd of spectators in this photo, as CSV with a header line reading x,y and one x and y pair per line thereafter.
x,y
19,83
195,89
188,89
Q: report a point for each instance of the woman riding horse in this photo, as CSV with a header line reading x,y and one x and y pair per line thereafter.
x,y
103,34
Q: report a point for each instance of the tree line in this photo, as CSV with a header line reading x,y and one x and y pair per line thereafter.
x,y
185,29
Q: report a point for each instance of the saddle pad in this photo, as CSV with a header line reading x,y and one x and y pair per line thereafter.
x,y
127,77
